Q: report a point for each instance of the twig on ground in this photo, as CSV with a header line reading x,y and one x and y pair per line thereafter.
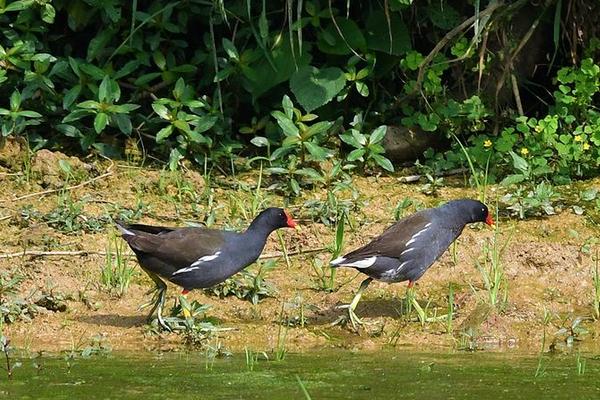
x,y
104,175
73,253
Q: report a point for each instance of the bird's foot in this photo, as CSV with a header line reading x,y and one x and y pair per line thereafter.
x,y
349,317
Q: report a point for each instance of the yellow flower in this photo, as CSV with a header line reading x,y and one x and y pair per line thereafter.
x,y
538,128
524,151
578,138
586,146
487,143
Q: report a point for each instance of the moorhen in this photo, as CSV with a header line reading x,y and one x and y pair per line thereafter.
x,y
409,247
198,257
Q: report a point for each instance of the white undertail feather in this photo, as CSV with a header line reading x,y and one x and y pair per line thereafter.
x,y
125,231
338,261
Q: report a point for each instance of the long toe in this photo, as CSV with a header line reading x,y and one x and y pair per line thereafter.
x,y
356,322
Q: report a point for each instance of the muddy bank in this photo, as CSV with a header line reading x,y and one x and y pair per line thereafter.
x,y
547,264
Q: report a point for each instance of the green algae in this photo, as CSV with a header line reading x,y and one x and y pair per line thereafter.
x,y
325,375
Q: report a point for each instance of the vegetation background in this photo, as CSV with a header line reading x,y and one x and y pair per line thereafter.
x,y
295,83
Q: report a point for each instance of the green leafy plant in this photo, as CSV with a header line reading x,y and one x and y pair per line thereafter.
x,y
15,119
301,138
367,148
105,109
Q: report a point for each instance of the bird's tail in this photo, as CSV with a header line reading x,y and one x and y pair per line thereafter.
x,y
124,228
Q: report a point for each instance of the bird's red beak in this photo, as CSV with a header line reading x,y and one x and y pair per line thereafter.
x,y
489,220
290,221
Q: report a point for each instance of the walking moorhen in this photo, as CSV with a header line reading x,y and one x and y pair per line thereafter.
x,y
409,247
198,257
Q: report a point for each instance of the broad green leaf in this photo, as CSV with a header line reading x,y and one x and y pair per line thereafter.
x,y
205,123
383,162
18,5
378,134
314,88
378,33
512,179
161,111
89,104
290,141
259,74
350,139
362,88
104,90
29,114
76,115
68,130
444,16
70,97
310,173
330,41
164,133
100,122
15,100
91,70
286,124
146,78
356,155
174,158
288,106
127,69
317,128
295,186
48,13
159,59
359,137
179,89
276,170
123,123
319,153
519,162
230,49
260,141
182,125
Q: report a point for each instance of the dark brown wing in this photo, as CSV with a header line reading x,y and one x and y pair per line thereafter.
x,y
177,247
393,240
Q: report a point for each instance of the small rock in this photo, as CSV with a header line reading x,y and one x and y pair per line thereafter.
x,y
407,144
46,165
11,150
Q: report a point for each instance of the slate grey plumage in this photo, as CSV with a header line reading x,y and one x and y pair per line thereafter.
x,y
197,257
409,247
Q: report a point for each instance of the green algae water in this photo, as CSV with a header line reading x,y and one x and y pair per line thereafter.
x,y
324,375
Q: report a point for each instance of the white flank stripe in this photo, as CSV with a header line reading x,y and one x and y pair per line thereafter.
x,y
196,263
337,261
366,263
414,237
182,270
205,258
402,265
407,251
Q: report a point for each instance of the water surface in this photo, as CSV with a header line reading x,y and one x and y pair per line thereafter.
x,y
329,374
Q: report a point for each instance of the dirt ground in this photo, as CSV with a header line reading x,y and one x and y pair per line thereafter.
x,y
546,262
